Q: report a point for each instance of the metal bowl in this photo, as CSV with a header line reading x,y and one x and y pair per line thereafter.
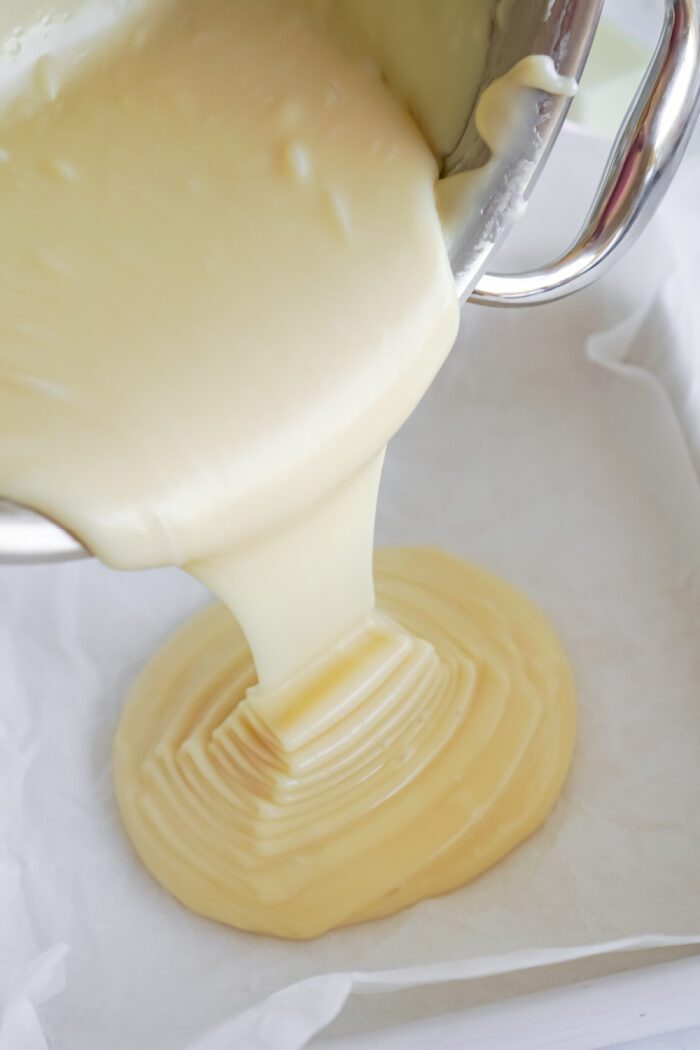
x,y
643,160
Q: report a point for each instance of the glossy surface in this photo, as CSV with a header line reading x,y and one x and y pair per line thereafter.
x,y
411,757
148,213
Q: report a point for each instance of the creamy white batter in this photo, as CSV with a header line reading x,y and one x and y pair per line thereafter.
x,y
223,287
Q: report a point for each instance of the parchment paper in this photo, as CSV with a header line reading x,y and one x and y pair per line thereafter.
x,y
550,451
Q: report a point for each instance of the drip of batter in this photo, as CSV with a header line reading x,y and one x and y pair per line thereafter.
x,y
223,286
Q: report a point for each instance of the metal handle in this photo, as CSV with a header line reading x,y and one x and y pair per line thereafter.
x,y
644,158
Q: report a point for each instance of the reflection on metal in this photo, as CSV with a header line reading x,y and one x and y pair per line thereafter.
x,y
644,158
27,537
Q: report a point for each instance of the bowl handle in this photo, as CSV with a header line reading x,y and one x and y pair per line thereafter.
x,y
644,158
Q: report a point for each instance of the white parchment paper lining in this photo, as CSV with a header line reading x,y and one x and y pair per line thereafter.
x,y
557,447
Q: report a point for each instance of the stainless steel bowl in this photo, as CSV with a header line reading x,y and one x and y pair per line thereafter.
x,y
644,158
